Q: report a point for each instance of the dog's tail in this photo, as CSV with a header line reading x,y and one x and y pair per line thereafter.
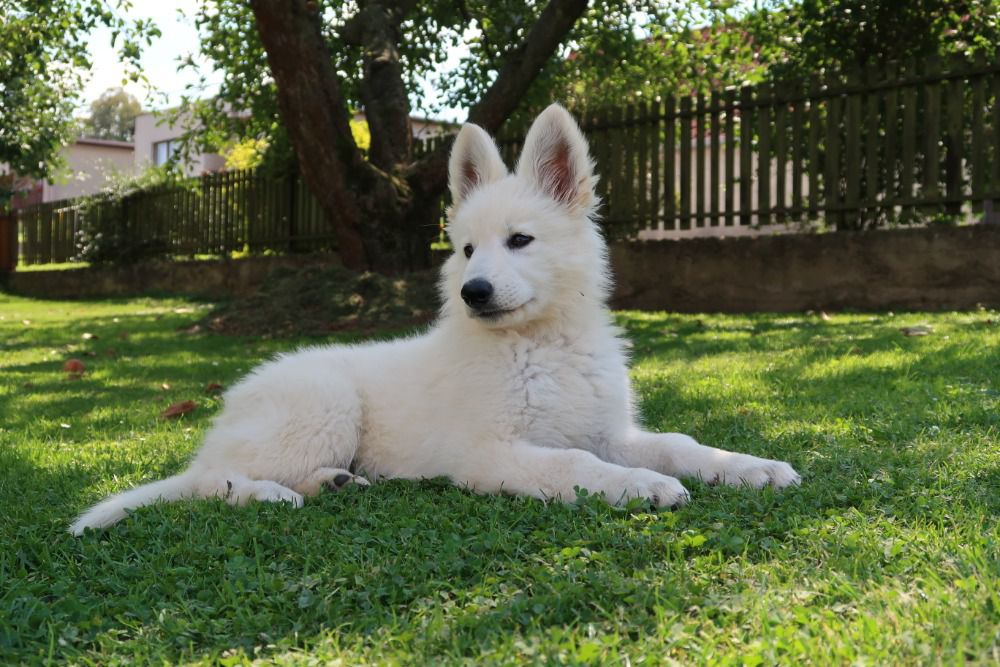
x,y
115,508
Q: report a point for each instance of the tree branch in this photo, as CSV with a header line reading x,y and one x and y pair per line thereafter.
x,y
521,66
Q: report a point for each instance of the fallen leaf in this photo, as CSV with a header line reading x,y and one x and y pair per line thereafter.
x,y
193,329
917,330
213,388
165,387
74,368
89,336
64,425
178,409
823,316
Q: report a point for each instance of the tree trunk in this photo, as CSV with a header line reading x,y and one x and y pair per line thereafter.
x,y
314,114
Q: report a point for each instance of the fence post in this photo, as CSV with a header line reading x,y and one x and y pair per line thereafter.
x,y
8,242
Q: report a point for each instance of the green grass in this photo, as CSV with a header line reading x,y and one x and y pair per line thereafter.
x,y
887,554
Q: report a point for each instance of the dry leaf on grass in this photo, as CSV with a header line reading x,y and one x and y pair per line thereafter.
x,y
178,409
89,336
74,369
917,330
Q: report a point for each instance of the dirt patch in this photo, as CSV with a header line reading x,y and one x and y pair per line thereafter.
x,y
316,301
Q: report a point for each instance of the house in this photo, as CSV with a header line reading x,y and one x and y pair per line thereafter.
x,y
157,140
89,165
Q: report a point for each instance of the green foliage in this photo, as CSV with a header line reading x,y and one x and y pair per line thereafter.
x,y
802,38
887,554
608,48
112,116
245,154
362,135
105,236
43,57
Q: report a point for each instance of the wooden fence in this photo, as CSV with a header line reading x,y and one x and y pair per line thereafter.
x,y
900,144
213,215
903,144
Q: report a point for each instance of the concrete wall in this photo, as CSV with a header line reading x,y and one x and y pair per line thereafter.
x,y
89,163
152,128
932,269
213,279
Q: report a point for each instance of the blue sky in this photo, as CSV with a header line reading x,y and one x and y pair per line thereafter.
x,y
159,61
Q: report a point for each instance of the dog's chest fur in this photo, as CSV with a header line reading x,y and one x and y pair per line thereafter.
x,y
560,391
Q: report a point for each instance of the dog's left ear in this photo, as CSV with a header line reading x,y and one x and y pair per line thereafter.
x,y
555,158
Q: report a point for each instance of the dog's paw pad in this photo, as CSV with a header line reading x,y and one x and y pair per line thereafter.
x,y
345,479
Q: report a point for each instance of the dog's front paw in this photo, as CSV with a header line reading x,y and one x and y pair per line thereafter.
x,y
661,490
757,472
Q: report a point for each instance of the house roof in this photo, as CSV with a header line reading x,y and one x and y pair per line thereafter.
x,y
110,143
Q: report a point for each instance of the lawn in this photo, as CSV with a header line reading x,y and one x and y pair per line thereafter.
x,y
889,552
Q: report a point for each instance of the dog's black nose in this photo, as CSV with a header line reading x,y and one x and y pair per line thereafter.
x,y
477,292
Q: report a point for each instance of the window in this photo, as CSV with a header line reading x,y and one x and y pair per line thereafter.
x,y
164,151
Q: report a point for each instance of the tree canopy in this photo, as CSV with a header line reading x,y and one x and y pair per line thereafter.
x,y
112,115
609,38
800,38
43,61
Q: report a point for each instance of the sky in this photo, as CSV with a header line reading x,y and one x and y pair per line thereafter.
x,y
160,60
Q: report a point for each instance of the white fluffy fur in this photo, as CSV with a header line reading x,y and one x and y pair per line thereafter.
x,y
535,401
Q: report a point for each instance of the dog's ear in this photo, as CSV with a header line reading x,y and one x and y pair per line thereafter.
x,y
475,161
555,158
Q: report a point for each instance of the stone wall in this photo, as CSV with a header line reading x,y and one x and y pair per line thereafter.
x,y
209,278
937,268
929,269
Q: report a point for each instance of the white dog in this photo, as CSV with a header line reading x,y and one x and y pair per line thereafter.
x,y
520,387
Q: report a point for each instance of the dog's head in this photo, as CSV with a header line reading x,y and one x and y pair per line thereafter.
x,y
526,247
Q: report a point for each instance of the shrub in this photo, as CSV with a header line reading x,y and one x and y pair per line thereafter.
x,y
112,233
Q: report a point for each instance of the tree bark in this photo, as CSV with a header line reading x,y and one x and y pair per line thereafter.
x,y
387,106
313,110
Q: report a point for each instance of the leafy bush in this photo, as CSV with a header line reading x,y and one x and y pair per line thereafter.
x,y
111,233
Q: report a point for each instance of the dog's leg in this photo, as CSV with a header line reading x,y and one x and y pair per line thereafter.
x,y
681,456
549,473
331,478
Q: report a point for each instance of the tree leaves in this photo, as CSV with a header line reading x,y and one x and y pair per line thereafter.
x,y
43,55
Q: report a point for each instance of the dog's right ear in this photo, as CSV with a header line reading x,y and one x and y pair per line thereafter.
x,y
475,161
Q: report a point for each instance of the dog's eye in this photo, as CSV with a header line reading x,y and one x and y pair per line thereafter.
x,y
519,241
468,250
